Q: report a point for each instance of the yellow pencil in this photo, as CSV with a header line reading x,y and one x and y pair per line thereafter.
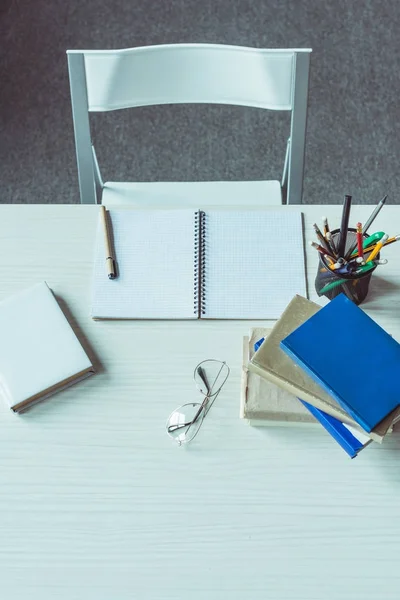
x,y
389,241
378,246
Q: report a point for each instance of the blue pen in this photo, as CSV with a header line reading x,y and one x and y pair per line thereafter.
x,y
347,269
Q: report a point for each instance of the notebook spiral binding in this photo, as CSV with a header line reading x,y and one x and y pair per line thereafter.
x,y
199,307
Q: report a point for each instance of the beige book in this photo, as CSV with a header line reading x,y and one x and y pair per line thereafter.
x,y
39,352
271,362
262,402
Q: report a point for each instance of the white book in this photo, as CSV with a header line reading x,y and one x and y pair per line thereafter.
x,y
190,264
39,352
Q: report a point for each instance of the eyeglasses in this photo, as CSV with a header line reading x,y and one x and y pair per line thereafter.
x,y
184,422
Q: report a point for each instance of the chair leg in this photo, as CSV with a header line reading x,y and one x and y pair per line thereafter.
x,y
84,157
97,176
298,130
284,181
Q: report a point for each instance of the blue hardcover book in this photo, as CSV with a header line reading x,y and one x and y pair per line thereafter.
x,y
347,437
351,357
351,440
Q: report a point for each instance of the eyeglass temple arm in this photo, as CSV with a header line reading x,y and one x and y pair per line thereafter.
x,y
207,397
172,428
204,379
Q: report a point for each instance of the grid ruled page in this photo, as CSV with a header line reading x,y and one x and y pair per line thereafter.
x,y
254,263
154,250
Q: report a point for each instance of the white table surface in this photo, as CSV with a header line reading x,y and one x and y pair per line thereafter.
x,y
97,503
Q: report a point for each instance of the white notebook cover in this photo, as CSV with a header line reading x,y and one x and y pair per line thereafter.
x,y
38,348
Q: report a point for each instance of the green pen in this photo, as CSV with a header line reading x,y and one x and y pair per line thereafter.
x,y
363,269
375,237
332,285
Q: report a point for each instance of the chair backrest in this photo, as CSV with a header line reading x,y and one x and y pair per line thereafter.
x,y
105,80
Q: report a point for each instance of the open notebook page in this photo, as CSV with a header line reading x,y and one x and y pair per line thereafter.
x,y
154,250
254,263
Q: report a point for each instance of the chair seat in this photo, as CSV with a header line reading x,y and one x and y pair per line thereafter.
x,y
197,194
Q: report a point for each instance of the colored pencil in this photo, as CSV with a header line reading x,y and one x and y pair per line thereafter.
x,y
320,249
321,238
378,247
369,222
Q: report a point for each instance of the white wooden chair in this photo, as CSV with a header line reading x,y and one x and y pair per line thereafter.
x,y
106,80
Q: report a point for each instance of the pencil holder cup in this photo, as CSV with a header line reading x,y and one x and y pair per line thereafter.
x,y
331,283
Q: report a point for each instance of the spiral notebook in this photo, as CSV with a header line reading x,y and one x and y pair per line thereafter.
x,y
191,264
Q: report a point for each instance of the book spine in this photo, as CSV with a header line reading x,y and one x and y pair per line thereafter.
x,y
337,430
244,378
23,406
337,413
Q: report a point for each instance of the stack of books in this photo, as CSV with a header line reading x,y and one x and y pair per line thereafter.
x,y
333,365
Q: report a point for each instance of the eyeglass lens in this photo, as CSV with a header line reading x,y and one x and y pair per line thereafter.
x,y
210,376
184,423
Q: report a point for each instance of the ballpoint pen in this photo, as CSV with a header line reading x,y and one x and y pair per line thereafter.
x,y
333,284
347,269
110,261
364,269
